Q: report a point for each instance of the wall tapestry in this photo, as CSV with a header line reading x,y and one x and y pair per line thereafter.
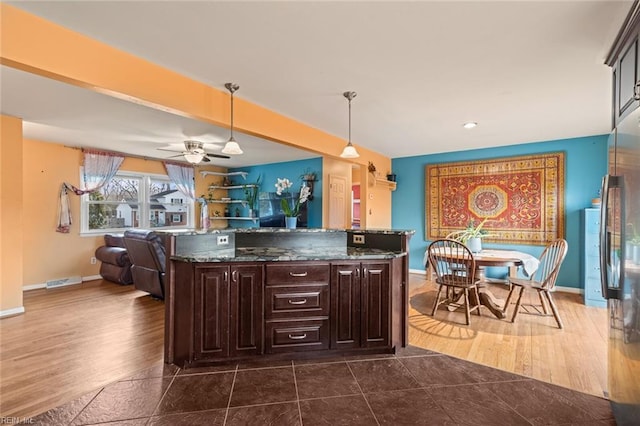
x,y
521,197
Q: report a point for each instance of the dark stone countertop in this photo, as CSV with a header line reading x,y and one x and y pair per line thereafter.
x,y
286,230
271,254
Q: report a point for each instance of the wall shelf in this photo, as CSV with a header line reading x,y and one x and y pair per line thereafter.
x,y
382,182
232,186
254,219
243,174
226,201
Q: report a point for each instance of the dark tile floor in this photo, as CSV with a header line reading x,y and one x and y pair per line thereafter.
x,y
413,387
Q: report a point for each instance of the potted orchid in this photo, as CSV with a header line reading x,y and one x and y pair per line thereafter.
x,y
291,212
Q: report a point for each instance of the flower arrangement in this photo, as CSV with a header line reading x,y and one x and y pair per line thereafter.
x,y
471,231
282,187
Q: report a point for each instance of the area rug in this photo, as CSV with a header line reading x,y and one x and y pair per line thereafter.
x,y
521,197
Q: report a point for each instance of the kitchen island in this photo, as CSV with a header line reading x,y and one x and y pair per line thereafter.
x,y
246,293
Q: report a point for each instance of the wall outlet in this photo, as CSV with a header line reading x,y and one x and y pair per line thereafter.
x,y
93,260
223,239
358,239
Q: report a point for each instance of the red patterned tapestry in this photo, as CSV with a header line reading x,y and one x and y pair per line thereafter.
x,y
522,197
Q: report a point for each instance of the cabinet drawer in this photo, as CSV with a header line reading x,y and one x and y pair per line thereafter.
x,y
593,224
593,289
305,335
592,268
297,301
297,273
592,248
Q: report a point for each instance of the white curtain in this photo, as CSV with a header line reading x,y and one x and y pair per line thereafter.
x,y
182,176
98,169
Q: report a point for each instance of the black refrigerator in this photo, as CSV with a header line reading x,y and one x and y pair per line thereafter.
x,y
620,267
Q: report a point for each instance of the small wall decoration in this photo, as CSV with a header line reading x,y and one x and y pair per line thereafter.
x,y
522,198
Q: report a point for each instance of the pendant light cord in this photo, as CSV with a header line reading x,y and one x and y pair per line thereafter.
x,y
349,121
231,87
232,115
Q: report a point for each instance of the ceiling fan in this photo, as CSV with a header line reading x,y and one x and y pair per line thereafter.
x,y
194,152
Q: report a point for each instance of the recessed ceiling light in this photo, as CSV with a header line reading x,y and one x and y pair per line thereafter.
x,y
470,125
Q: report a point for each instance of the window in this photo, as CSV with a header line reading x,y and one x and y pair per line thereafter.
x,y
134,200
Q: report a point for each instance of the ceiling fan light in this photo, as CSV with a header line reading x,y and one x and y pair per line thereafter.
x,y
232,148
349,151
194,157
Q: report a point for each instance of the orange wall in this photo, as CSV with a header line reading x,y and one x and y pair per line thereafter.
x,y
46,166
11,215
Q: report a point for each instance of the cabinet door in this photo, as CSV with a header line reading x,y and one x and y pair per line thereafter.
x,y
211,313
376,294
345,305
627,78
246,319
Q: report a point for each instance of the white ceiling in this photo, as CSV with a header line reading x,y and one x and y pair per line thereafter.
x,y
525,71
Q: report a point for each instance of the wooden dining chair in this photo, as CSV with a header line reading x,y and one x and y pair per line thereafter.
x,y
543,280
447,257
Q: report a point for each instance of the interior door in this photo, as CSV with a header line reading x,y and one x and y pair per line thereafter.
x,y
338,211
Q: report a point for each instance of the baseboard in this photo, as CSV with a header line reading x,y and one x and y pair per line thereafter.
x,y
44,285
33,286
573,290
569,289
11,312
91,278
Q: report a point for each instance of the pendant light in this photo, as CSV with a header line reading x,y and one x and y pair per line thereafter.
x,y
349,151
231,147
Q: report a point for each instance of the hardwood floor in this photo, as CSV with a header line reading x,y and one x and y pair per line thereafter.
x,y
76,339
574,357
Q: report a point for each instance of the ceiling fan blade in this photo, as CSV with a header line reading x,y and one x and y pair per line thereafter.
x,y
217,156
170,150
205,159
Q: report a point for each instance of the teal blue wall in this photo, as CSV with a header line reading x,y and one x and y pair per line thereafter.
x,y
585,164
292,171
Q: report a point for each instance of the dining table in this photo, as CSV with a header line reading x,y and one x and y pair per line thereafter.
x,y
511,259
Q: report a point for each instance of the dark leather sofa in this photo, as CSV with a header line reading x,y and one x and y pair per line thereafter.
x,y
116,265
147,254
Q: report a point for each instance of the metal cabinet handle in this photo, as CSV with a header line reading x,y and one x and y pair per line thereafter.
x,y
234,275
226,276
302,274
636,91
297,302
292,337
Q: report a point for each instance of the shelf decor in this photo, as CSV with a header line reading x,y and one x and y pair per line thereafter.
x,y
523,197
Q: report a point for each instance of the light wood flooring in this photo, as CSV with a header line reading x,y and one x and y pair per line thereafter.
x,y
76,339
72,340
574,357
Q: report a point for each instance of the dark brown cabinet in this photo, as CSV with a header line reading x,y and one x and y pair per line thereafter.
x,y
360,304
624,59
219,311
228,317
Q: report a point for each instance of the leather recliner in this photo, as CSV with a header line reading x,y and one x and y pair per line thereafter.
x,y
115,266
147,254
